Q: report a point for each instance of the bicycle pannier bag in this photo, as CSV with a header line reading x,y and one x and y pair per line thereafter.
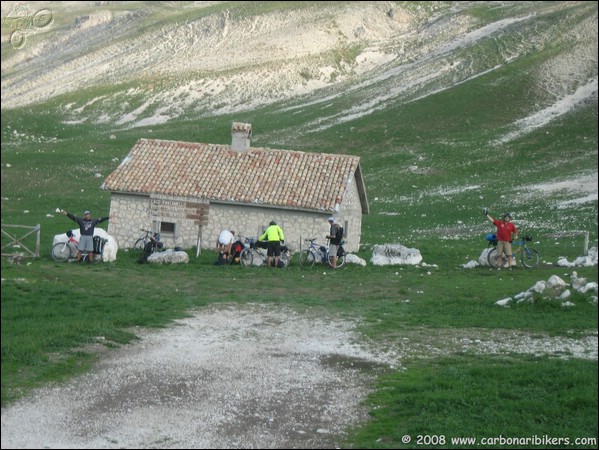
x,y
98,244
492,238
149,248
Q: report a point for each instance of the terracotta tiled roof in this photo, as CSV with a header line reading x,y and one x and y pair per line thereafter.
x,y
283,178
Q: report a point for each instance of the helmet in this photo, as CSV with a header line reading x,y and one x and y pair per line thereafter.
x,y
507,215
69,233
272,222
331,219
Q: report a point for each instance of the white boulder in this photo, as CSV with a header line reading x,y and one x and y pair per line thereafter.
x,y
169,257
391,254
582,261
539,286
565,295
354,259
504,301
555,282
592,286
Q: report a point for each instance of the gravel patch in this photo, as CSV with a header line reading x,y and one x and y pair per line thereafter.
x,y
242,376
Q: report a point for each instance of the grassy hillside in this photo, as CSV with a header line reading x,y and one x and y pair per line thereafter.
x,y
432,123
451,106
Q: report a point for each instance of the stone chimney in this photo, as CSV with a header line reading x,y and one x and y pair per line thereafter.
x,y
241,134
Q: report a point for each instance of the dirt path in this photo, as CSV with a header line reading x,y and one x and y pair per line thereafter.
x,y
240,377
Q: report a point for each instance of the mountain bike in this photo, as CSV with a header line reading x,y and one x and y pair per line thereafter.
x,y
149,236
64,251
319,254
255,254
529,257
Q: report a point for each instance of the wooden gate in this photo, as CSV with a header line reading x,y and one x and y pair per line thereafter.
x,y
21,246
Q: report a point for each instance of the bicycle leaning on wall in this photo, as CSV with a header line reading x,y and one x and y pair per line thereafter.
x,y
149,236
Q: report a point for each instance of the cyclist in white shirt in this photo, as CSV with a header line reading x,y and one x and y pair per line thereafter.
x,y
224,241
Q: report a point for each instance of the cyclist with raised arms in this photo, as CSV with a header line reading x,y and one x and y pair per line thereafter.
x,y
87,226
506,233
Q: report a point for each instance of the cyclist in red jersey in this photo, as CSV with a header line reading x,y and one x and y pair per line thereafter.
x,y
506,233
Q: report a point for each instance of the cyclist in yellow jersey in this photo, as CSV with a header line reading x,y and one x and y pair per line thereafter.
x,y
274,236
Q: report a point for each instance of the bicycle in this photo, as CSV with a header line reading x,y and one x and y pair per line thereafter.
x,y
149,236
22,21
64,251
319,254
529,257
255,254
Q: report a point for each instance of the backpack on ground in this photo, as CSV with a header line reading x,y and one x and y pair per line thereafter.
x,y
222,260
236,249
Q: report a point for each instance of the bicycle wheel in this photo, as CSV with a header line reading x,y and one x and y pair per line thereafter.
x,y
17,39
530,258
246,258
61,252
307,258
259,258
340,261
285,258
139,244
492,257
42,18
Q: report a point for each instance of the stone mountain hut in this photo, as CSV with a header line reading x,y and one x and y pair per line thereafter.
x,y
189,192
